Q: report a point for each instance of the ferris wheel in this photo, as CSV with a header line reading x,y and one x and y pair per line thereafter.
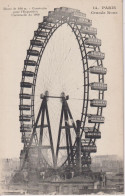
x,y
73,127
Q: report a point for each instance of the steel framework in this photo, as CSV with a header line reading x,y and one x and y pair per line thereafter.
x,y
89,47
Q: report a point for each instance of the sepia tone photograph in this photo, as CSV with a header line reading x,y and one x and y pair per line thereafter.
x,y
61,97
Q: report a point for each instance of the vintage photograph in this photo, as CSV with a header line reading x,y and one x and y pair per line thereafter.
x,y
61,97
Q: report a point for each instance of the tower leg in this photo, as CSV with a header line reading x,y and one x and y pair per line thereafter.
x,y
50,137
39,145
78,143
64,119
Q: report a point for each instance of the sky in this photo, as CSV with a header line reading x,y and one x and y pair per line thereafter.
x,y
15,35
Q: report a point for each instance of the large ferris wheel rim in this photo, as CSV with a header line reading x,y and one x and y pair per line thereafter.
x,y
76,30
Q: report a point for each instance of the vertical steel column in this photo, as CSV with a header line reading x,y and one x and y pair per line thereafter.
x,y
66,130
50,135
68,135
41,134
58,141
78,146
